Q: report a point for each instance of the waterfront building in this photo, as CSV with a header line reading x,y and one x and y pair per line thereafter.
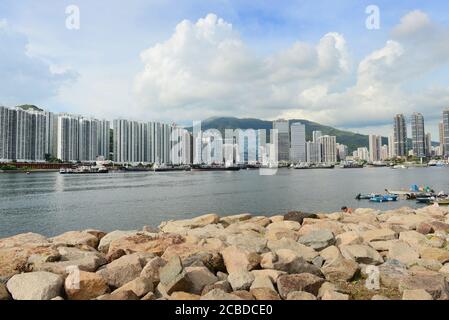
x,y
283,140
4,134
68,137
400,136
181,152
313,152
316,136
375,145
384,153
298,142
104,139
261,145
441,136
391,148
428,144
418,135
342,151
446,133
329,149
363,154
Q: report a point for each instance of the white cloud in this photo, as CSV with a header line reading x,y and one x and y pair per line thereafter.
x,y
206,69
25,78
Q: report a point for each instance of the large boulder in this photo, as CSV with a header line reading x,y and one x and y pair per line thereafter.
x,y
361,254
349,237
442,255
417,294
281,233
291,225
251,243
299,282
199,277
299,216
403,252
106,240
300,295
182,226
334,295
262,282
315,225
288,261
241,280
217,294
378,235
143,242
301,250
413,238
340,269
273,275
238,259
318,240
15,252
265,294
173,277
226,221
85,286
392,272
152,268
35,286
123,270
139,286
434,283
75,238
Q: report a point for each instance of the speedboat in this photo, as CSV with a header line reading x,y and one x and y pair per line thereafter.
x,y
384,198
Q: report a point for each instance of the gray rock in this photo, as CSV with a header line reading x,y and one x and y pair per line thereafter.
x,y
103,246
251,243
241,280
173,277
434,283
139,286
262,282
392,272
35,286
300,295
223,285
288,261
361,254
123,270
318,240
152,268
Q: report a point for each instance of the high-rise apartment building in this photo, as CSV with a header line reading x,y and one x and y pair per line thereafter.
x,y
446,133
329,149
400,136
298,142
375,145
313,152
342,151
391,148
418,135
316,136
68,137
283,140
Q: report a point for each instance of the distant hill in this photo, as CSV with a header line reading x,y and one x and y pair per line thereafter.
x,y
30,107
351,139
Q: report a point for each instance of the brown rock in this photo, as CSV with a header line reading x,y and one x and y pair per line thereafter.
x,y
340,269
237,259
441,255
179,296
223,285
417,294
434,283
244,295
76,238
173,277
299,216
218,294
152,268
333,295
140,286
89,286
199,278
281,233
299,282
141,242
4,294
265,294
300,295
123,270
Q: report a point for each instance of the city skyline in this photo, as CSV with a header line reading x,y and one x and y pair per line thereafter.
x,y
258,60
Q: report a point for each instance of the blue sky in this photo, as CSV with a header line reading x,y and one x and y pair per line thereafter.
x,y
100,70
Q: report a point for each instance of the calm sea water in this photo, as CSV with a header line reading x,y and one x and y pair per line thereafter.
x,y
50,203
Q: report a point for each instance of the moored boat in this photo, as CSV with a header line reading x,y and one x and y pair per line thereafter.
x,y
214,168
384,198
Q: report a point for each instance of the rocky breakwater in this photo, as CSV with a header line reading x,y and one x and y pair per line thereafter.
x,y
400,254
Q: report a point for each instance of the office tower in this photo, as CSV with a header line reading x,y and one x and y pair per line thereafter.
x,y
418,135
316,136
313,152
446,133
391,149
428,146
68,137
375,145
329,148
363,154
441,135
4,134
283,140
384,153
400,136
342,151
298,142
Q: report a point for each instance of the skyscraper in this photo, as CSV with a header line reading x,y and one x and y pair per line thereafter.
x,y
329,149
313,151
68,137
375,145
391,148
283,141
400,136
441,133
418,135
298,142
342,151
428,144
316,136
446,132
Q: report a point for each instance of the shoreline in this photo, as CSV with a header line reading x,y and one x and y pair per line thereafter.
x,y
297,256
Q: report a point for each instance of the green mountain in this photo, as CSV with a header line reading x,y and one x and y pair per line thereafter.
x,y
351,139
29,107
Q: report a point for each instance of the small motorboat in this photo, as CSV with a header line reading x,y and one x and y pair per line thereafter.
x,y
364,196
384,198
426,200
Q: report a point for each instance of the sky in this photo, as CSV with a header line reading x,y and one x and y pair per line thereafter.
x,y
179,61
